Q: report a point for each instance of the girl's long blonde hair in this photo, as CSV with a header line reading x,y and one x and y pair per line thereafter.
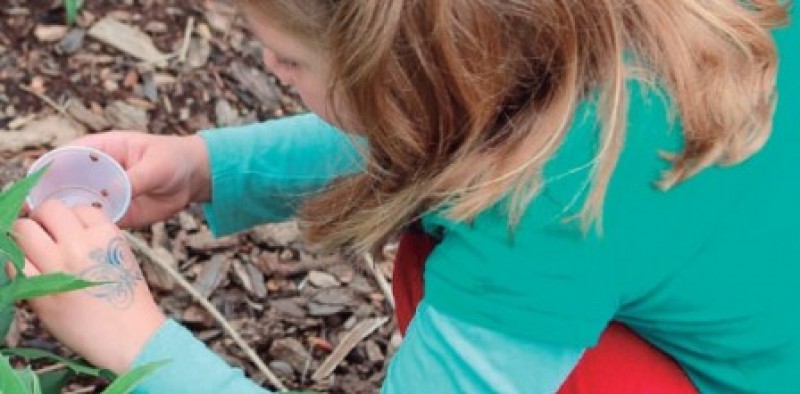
x,y
464,101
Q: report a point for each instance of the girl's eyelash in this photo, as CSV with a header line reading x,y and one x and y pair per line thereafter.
x,y
287,63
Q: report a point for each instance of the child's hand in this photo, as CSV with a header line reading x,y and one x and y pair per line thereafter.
x,y
166,172
107,324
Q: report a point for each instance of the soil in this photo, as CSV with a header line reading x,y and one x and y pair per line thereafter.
x,y
59,82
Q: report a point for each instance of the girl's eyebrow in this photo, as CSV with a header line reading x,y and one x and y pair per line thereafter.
x,y
280,56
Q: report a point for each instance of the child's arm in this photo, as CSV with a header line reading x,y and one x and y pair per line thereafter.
x,y
261,173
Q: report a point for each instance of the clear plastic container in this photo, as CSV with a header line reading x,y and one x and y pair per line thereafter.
x,y
82,175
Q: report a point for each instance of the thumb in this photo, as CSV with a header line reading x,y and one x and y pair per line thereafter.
x,y
146,176
127,149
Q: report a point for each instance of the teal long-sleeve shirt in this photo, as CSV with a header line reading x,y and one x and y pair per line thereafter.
x,y
707,272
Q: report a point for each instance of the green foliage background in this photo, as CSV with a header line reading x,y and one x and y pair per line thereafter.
x,y
71,8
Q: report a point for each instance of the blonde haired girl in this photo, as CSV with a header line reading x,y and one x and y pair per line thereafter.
x,y
572,163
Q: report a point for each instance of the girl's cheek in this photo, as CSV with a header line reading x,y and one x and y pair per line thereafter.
x,y
284,75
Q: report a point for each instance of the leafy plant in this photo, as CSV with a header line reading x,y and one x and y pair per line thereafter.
x,y
19,287
71,8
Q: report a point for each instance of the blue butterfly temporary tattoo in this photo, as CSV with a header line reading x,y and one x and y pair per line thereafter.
x,y
116,267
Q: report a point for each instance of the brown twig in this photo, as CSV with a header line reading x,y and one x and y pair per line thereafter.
x,y
82,390
187,38
47,100
386,288
50,368
348,342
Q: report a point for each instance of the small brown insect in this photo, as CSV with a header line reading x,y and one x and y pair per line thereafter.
x,y
104,193
93,157
97,205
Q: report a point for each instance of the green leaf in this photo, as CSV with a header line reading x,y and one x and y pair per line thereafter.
x,y
6,318
29,380
3,274
10,383
53,382
12,199
23,288
71,7
9,250
74,365
125,383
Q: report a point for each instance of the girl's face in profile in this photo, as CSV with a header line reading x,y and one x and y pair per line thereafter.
x,y
296,64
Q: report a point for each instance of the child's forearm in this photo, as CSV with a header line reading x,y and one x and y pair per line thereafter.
x,y
261,173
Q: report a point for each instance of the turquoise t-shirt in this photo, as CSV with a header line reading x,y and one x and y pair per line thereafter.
x,y
708,272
